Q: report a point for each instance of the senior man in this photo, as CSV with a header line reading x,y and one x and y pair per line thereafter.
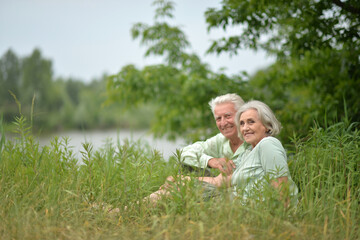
x,y
220,150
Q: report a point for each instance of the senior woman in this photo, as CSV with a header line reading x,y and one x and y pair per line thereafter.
x,y
263,163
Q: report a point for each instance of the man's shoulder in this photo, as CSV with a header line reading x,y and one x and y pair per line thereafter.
x,y
219,138
216,141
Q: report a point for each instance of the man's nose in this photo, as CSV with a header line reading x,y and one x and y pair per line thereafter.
x,y
223,121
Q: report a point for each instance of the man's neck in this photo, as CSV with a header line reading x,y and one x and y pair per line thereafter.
x,y
235,144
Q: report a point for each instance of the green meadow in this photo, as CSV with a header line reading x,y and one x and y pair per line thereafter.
x,y
53,192
45,193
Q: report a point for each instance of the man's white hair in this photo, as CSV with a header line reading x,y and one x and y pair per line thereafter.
x,y
230,97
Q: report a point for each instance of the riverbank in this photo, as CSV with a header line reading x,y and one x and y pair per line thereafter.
x,y
99,138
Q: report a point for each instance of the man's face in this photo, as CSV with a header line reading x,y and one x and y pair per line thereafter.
x,y
225,119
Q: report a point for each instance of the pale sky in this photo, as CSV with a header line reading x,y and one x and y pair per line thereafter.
x,y
87,38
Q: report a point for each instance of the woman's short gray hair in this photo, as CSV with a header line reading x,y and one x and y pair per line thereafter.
x,y
230,97
266,115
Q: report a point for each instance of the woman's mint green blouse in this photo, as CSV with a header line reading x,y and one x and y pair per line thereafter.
x,y
266,161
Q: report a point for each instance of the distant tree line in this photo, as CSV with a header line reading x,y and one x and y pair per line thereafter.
x,y
53,104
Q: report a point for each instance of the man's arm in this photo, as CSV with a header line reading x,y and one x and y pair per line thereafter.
x,y
208,153
199,153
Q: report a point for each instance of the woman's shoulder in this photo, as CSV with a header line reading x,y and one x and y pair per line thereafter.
x,y
269,147
270,141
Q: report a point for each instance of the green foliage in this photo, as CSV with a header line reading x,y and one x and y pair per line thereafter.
x,y
327,164
58,104
317,45
9,76
180,90
317,72
326,169
299,95
287,27
181,97
45,185
73,88
46,193
36,79
28,80
2,133
9,82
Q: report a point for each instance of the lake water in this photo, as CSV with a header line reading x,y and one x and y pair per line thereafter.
x,y
99,137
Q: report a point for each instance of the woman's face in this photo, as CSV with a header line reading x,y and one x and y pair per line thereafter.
x,y
251,127
225,119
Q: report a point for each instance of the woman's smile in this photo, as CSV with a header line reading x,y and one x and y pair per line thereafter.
x,y
251,127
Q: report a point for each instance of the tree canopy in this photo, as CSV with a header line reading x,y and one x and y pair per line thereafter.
x,y
180,88
287,28
317,44
315,78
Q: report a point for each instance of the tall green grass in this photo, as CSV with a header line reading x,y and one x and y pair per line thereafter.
x,y
326,167
45,193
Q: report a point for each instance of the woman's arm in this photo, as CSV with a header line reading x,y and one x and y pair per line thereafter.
x,y
274,161
218,181
164,190
281,185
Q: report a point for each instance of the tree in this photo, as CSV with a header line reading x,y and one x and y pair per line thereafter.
x,y
180,88
318,47
298,93
317,72
73,88
36,79
10,74
287,28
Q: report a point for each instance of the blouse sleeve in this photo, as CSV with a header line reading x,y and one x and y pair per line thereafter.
x,y
273,157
